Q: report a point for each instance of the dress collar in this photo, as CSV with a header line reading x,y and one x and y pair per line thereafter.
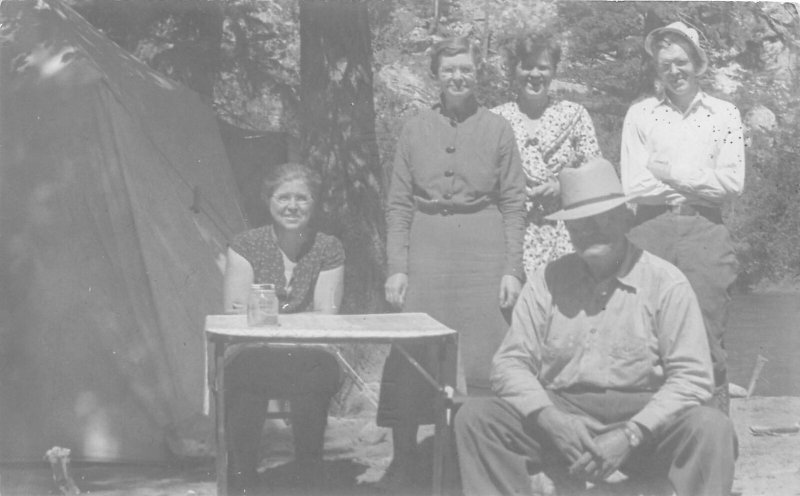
x,y
471,110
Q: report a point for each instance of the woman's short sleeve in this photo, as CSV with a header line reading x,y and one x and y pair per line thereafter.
x,y
332,253
245,245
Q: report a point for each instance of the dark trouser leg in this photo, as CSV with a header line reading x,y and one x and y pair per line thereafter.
x,y
245,416
706,256
703,251
495,450
315,379
696,453
307,376
309,419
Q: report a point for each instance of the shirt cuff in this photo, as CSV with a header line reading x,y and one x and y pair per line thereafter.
x,y
397,268
648,420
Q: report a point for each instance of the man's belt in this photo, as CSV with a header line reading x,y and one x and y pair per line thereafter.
x,y
713,214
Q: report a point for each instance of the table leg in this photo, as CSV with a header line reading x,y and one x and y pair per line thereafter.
x,y
219,414
441,440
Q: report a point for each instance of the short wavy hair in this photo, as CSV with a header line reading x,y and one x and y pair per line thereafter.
x,y
289,172
449,47
533,44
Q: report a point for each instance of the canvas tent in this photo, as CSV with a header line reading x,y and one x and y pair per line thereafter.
x,y
116,205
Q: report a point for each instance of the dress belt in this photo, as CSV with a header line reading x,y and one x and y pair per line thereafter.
x,y
436,207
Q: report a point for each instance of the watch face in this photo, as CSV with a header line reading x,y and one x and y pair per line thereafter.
x,y
633,439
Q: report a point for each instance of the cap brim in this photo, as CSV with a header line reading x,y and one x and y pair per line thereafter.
x,y
648,46
587,210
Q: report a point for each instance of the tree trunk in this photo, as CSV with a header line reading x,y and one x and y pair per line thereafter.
x,y
337,121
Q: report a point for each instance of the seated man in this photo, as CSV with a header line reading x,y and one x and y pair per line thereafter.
x,y
606,366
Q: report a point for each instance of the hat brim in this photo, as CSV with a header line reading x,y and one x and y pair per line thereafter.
x,y
648,46
587,210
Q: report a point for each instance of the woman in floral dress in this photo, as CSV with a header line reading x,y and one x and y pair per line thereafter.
x,y
551,134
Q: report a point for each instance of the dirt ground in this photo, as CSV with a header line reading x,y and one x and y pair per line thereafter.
x,y
357,454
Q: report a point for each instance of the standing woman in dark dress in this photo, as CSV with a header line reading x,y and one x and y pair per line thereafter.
x,y
455,218
307,269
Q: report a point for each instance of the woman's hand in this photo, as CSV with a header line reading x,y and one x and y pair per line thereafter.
x,y
395,289
545,191
510,287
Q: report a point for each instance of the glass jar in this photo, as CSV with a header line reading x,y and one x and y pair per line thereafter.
x,y
262,306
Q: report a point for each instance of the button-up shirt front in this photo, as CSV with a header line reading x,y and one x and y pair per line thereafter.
x,y
449,166
641,331
702,147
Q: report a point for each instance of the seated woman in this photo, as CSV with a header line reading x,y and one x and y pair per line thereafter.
x,y
307,270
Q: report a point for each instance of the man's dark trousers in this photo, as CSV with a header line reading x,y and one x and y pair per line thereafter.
x,y
496,451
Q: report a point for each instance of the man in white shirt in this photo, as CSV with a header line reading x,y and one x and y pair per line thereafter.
x,y
682,158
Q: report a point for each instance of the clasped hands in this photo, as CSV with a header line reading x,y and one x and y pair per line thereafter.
x,y
594,451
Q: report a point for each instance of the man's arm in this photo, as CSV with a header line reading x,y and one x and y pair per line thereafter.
x,y
517,361
683,346
515,375
720,180
637,179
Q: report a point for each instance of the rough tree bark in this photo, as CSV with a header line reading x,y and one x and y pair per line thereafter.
x,y
337,122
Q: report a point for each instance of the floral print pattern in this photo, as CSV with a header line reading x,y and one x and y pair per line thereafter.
x,y
260,248
565,138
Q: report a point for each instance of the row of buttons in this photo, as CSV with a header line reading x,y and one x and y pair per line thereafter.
x,y
448,173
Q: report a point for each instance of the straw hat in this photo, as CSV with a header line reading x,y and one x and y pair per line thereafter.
x,y
685,32
588,190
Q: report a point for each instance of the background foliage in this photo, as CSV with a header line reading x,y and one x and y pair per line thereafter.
x,y
244,56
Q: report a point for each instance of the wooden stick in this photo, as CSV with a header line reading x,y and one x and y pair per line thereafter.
x,y
763,430
435,28
760,361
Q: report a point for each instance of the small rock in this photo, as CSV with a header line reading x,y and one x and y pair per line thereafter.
x,y
736,391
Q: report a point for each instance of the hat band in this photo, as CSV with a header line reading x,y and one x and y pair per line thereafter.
x,y
589,201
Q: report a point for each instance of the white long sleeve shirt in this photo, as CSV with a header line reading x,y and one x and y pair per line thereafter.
x,y
703,149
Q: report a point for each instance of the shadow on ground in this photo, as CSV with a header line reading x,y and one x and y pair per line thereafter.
x,y
357,455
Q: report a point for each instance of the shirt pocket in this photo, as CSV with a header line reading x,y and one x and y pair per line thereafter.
x,y
628,347
560,349
629,359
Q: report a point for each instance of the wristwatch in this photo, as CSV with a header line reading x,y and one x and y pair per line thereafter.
x,y
631,432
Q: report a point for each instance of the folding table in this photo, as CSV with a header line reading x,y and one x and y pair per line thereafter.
x,y
222,331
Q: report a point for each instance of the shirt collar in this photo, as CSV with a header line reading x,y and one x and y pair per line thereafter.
x,y
699,99
626,275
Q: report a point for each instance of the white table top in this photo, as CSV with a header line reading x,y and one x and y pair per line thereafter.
x,y
316,327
